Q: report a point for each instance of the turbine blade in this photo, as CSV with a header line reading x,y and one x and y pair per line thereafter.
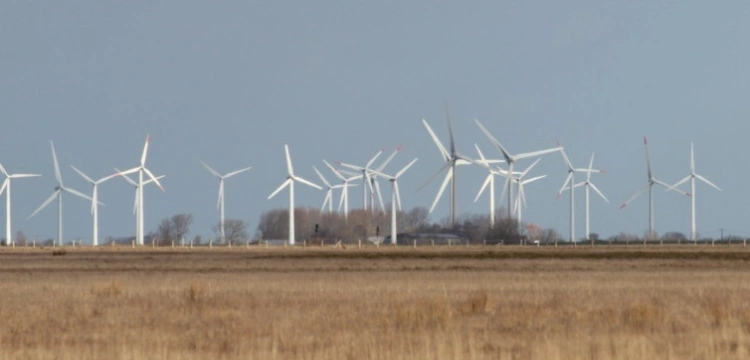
x,y
692,158
538,153
446,166
5,184
648,158
380,195
640,191
326,199
334,171
149,181
221,193
353,167
398,194
281,187
145,150
19,176
79,194
389,159
2,170
565,184
591,167
212,171
154,178
682,181
308,183
323,179
596,190
83,175
448,177
135,203
44,204
403,170
127,178
494,141
343,196
369,163
58,176
701,178
484,186
450,128
565,156
288,160
240,171
530,167
538,178
441,148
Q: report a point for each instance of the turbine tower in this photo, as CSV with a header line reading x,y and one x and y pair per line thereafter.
x,y
520,183
395,198
141,170
588,184
570,184
345,191
511,160
290,180
137,193
59,189
452,159
692,176
489,181
649,186
94,201
220,201
6,187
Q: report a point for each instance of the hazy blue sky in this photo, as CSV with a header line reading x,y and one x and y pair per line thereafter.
x,y
231,82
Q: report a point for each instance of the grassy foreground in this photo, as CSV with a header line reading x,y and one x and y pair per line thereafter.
x,y
434,303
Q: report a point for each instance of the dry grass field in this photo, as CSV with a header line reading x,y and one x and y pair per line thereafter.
x,y
431,303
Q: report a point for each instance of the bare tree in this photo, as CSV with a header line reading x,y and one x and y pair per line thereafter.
x,y
174,228
21,238
235,231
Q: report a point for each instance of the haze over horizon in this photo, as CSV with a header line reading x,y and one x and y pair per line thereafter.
x,y
231,82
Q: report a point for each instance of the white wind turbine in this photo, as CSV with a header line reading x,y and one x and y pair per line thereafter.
x,y
137,193
511,160
366,178
328,200
395,198
520,183
220,201
94,201
290,180
489,181
649,186
59,189
692,176
588,184
570,185
6,187
452,159
371,174
344,200
142,169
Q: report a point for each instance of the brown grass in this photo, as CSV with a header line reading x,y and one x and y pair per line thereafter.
x,y
375,304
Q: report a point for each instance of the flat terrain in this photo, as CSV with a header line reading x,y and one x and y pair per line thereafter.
x,y
681,302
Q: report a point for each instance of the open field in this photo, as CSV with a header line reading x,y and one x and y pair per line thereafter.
x,y
432,303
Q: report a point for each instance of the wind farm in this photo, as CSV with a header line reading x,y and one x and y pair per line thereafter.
x,y
307,180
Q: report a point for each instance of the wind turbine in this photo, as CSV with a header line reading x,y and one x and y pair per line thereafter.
x,y
512,159
366,179
94,201
6,187
328,200
220,201
345,191
588,184
649,186
371,174
290,180
452,159
692,176
395,198
489,180
59,189
570,183
520,182
137,193
142,169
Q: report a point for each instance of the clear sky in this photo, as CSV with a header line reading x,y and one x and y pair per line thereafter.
x,y
230,82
